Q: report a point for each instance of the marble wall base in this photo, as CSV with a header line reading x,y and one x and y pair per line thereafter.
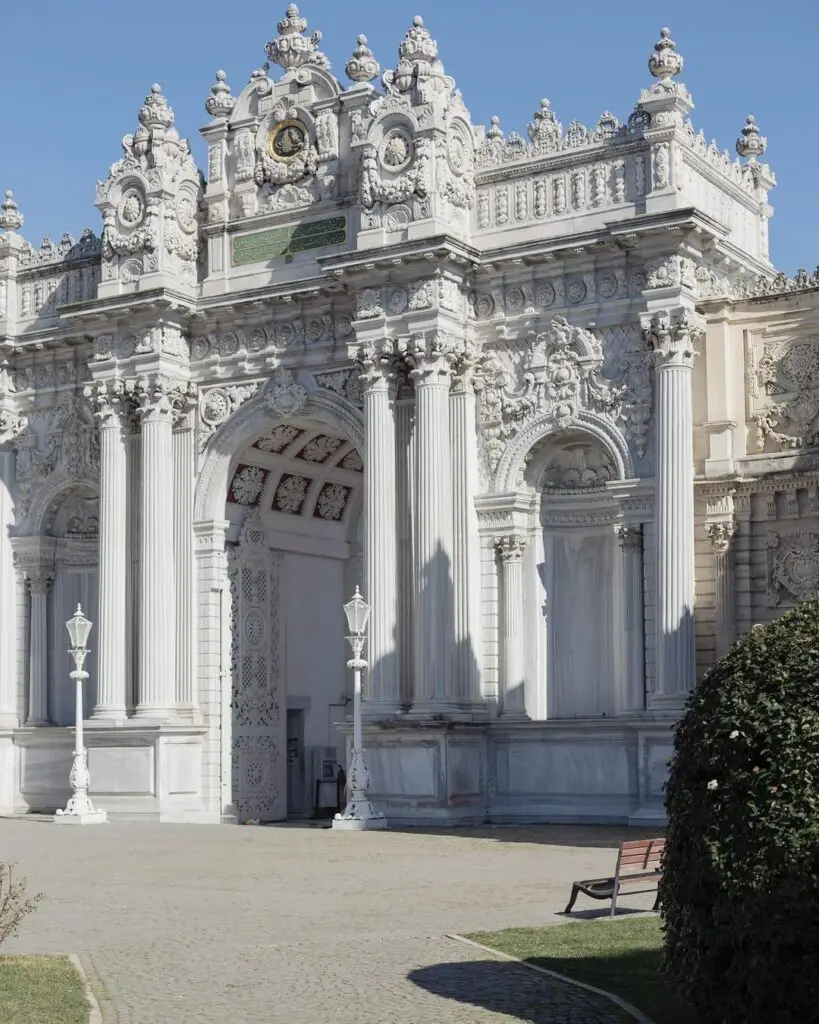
x,y
607,772
137,771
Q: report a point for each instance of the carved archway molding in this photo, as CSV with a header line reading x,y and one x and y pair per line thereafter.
x,y
511,466
252,419
32,524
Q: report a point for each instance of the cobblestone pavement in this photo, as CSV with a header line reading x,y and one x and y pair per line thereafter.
x,y
190,924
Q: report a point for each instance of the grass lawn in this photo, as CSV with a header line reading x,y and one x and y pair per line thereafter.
x,y
621,956
41,990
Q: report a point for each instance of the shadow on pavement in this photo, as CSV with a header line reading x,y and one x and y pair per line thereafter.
x,y
507,988
589,836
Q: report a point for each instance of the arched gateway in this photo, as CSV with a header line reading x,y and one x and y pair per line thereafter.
x,y
376,343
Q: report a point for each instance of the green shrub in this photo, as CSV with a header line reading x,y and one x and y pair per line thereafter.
x,y
740,894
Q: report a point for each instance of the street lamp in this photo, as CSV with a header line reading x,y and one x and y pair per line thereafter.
x,y
79,810
359,814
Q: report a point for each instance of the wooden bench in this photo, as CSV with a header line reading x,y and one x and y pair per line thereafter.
x,y
638,862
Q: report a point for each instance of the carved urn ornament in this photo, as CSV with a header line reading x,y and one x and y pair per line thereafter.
x,y
751,144
362,65
292,48
665,63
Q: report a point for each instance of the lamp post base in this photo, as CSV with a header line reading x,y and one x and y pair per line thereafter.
x,y
80,818
360,816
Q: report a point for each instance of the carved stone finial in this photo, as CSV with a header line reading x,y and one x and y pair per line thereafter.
x,y
220,103
362,65
10,217
418,46
665,63
495,131
545,130
156,112
292,48
751,144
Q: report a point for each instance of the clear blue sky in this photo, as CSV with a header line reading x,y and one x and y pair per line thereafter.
x,y
76,72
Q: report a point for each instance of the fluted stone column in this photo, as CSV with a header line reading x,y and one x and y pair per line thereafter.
x,y
156,688
721,534
465,550
405,514
672,337
9,712
510,550
39,583
382,695
630,537
433,692
113,554
183,547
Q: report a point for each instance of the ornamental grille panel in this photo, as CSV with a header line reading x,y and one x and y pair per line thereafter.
x,y
259,721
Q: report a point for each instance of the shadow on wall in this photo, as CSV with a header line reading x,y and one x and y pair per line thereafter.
x,y
448,681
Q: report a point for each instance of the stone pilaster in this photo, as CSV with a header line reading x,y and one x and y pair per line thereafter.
x,y
39,583
156,686
383,696
213,666
183,471
509,550
721,533
465,543
672,337
630,537
433,692
9,711
112,683
742,564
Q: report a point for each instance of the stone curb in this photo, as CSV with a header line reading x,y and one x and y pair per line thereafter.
x,y
638,1015
94,1013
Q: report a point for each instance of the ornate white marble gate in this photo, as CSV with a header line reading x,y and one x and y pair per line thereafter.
x,y
258,697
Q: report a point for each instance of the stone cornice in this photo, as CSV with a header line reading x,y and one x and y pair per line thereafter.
x,y
441,248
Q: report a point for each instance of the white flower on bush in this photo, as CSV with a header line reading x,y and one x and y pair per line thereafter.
x,y
713,784
734,735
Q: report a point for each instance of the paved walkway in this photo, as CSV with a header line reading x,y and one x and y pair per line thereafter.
x,y
187,924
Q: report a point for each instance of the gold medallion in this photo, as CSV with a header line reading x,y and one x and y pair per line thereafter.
x,y
286,141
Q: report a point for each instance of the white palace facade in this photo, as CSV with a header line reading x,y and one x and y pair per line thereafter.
x,y
542,395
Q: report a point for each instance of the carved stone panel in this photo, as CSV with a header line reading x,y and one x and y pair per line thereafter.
x,y
793,566
258,687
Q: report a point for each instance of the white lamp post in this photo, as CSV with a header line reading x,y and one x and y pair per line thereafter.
x,y
79,810
359,814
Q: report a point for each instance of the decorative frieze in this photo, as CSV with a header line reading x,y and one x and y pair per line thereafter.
x,y
793,566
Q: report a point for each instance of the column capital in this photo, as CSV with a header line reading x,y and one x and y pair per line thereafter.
x,y
12,424
672,335
111,402
155,396
721,533
469,368
375,360
629,535
184,401
431,358
510,547
39,581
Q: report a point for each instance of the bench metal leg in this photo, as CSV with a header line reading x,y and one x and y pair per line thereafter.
x,y
656,906
614,899
575,891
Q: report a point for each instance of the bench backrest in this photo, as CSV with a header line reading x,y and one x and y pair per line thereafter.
x,y
639,856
